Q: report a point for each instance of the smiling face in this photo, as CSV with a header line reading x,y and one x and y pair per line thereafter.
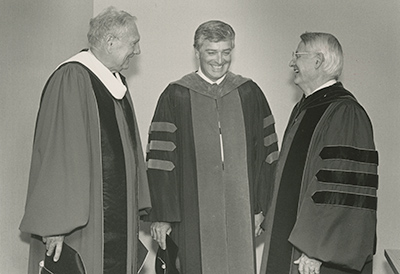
x,y
215,58
305,67
124,48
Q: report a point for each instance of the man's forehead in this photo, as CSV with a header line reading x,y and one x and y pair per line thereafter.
x,y
133,34
210,45
301,46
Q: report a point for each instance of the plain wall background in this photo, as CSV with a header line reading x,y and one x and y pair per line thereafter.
x,y
38,36
35,37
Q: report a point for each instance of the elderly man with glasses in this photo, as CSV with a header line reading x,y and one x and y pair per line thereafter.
x,y
323,218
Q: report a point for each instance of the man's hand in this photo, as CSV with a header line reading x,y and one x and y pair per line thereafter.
x,y
258,219
54,243
158,231
308,265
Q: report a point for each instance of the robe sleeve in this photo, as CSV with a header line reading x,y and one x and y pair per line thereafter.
x,y
162,161
266,153
59,182
336,222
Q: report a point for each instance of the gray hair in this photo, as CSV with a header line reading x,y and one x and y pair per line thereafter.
x,y
330,47
109,21
213,31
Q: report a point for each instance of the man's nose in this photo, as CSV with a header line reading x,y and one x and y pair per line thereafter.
x,y
219,58
136,49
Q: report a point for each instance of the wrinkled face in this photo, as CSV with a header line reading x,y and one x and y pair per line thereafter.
x,y
124,48
215,58
303,64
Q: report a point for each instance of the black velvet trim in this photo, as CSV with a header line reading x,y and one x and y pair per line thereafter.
x,y
350,153
348,178
114,182
345,199
128,113
280,250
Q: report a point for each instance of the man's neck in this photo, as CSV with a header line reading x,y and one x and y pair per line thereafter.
x,y
317,85
208,80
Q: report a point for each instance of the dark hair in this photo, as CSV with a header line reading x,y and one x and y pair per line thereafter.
x,y
213,31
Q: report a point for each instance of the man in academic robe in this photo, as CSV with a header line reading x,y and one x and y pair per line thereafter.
x,y
211,153
88,171
323,217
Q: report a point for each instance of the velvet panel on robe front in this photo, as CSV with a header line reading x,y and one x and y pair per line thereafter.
x,y
223,189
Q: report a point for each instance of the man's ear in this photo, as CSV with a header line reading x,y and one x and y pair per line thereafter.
x,y
197,53
319,60
109,41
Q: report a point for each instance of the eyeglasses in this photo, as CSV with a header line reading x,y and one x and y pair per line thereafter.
x,y
296,55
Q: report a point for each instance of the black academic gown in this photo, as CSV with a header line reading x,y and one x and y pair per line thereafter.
x,y
210,159
87,170
325,188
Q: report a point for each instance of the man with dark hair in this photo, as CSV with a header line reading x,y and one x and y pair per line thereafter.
x,y
87,168
323,218
211,154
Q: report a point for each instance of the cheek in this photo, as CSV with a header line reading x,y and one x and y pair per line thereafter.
x,y
130,55
205,60
227,60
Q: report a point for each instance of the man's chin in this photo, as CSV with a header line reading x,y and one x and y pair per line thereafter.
x,y
296,80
